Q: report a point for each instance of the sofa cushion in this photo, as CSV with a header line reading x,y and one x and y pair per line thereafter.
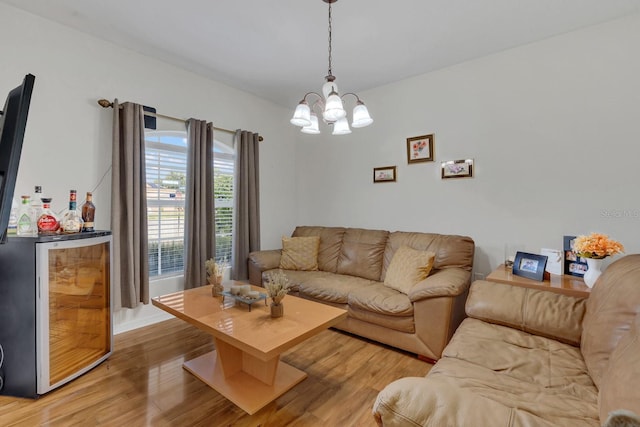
x,y
611,309
300,253
330,244
331,288
536,311
408,267
381,299
382,306
538,375
451,251
620,386
361,253
297,276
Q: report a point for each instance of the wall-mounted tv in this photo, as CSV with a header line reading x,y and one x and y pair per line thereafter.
x,y
13,121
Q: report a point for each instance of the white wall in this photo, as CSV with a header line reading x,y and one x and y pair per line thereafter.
x,y
554,130
68,138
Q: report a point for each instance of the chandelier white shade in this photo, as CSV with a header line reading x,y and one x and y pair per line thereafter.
x,y
330,105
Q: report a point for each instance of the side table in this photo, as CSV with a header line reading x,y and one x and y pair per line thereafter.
x,y
565,284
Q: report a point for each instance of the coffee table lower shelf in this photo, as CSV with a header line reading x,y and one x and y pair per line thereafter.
x,y
246,391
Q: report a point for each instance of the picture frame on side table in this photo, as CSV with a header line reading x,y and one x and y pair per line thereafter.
x,y
420,149
531,266
457,169
384,174
573,264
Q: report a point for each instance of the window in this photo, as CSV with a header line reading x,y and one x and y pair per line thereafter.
x,y
223,168
166,164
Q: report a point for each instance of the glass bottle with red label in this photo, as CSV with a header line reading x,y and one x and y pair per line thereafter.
x,y
48,222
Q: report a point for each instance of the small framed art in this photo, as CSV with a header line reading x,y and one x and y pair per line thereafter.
x,y
384,174
531,266
420,149
457,169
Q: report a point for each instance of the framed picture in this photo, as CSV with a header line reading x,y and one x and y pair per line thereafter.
x,y
420,149
573,264
384,174
457,169
531,266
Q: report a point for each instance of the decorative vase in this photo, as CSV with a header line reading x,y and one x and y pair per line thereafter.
x,y
277,310
216,288
593,271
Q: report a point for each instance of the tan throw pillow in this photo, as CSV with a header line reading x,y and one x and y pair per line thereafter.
x,y
300,253
408,267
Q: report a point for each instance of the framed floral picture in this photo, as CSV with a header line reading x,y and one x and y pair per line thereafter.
x,y
420,149
457,169
384,174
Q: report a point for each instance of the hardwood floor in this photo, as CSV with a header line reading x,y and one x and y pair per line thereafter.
x,y
143,384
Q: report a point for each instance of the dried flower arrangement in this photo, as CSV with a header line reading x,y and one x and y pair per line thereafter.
x,y
277,286
215,272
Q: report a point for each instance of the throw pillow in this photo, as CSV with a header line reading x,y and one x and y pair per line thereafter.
x,y
408,267
300,253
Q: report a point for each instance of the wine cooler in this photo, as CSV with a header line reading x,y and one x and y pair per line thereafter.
x,y
55,309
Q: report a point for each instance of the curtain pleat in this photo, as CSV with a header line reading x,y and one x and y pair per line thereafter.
x,y
199,232
129,207
247,202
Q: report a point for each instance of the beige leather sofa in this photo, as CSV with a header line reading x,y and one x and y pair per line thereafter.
x,y
527,357
352,264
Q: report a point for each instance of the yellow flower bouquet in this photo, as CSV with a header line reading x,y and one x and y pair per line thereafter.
x,y
596,246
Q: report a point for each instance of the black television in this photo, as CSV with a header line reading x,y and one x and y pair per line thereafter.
x,y
13,121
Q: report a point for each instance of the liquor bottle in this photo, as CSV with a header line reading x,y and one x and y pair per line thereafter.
x,y
88,213
48,221
36,202
72,220
26,220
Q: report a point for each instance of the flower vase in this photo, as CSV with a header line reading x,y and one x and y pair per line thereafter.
x,y
217,288
277,310
594,271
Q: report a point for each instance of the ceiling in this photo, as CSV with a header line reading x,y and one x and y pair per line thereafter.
x,y
278,49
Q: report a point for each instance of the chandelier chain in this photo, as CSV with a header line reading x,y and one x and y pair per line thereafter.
x,y
330,71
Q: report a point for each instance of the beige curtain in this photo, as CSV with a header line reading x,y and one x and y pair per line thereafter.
x,y
129,207
199,231
247,202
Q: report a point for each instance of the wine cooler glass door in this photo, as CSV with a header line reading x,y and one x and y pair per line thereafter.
x,y
74,331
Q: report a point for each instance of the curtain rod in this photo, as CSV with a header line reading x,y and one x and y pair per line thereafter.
x,y
105,103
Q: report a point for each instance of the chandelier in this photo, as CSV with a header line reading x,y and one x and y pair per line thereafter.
x,y
330,105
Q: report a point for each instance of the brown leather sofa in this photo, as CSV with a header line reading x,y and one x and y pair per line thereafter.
x,y
352,264
527,357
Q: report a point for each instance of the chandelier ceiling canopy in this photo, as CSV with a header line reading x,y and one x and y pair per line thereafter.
x,y
329,104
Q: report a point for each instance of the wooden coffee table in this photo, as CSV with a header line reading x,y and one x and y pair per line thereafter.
x,y
246,366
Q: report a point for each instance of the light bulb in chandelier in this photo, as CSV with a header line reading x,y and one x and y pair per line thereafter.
x,y
341,127
333,109
361,117
302,115
313,128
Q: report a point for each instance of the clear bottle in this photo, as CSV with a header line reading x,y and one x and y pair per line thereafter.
x,y
72,220
88,212
12,226
26,220
48,222
36,202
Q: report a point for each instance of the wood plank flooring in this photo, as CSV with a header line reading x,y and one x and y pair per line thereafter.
x,y
143,384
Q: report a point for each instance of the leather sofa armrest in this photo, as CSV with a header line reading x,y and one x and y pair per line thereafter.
x,y
260,261
539,312
447,282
